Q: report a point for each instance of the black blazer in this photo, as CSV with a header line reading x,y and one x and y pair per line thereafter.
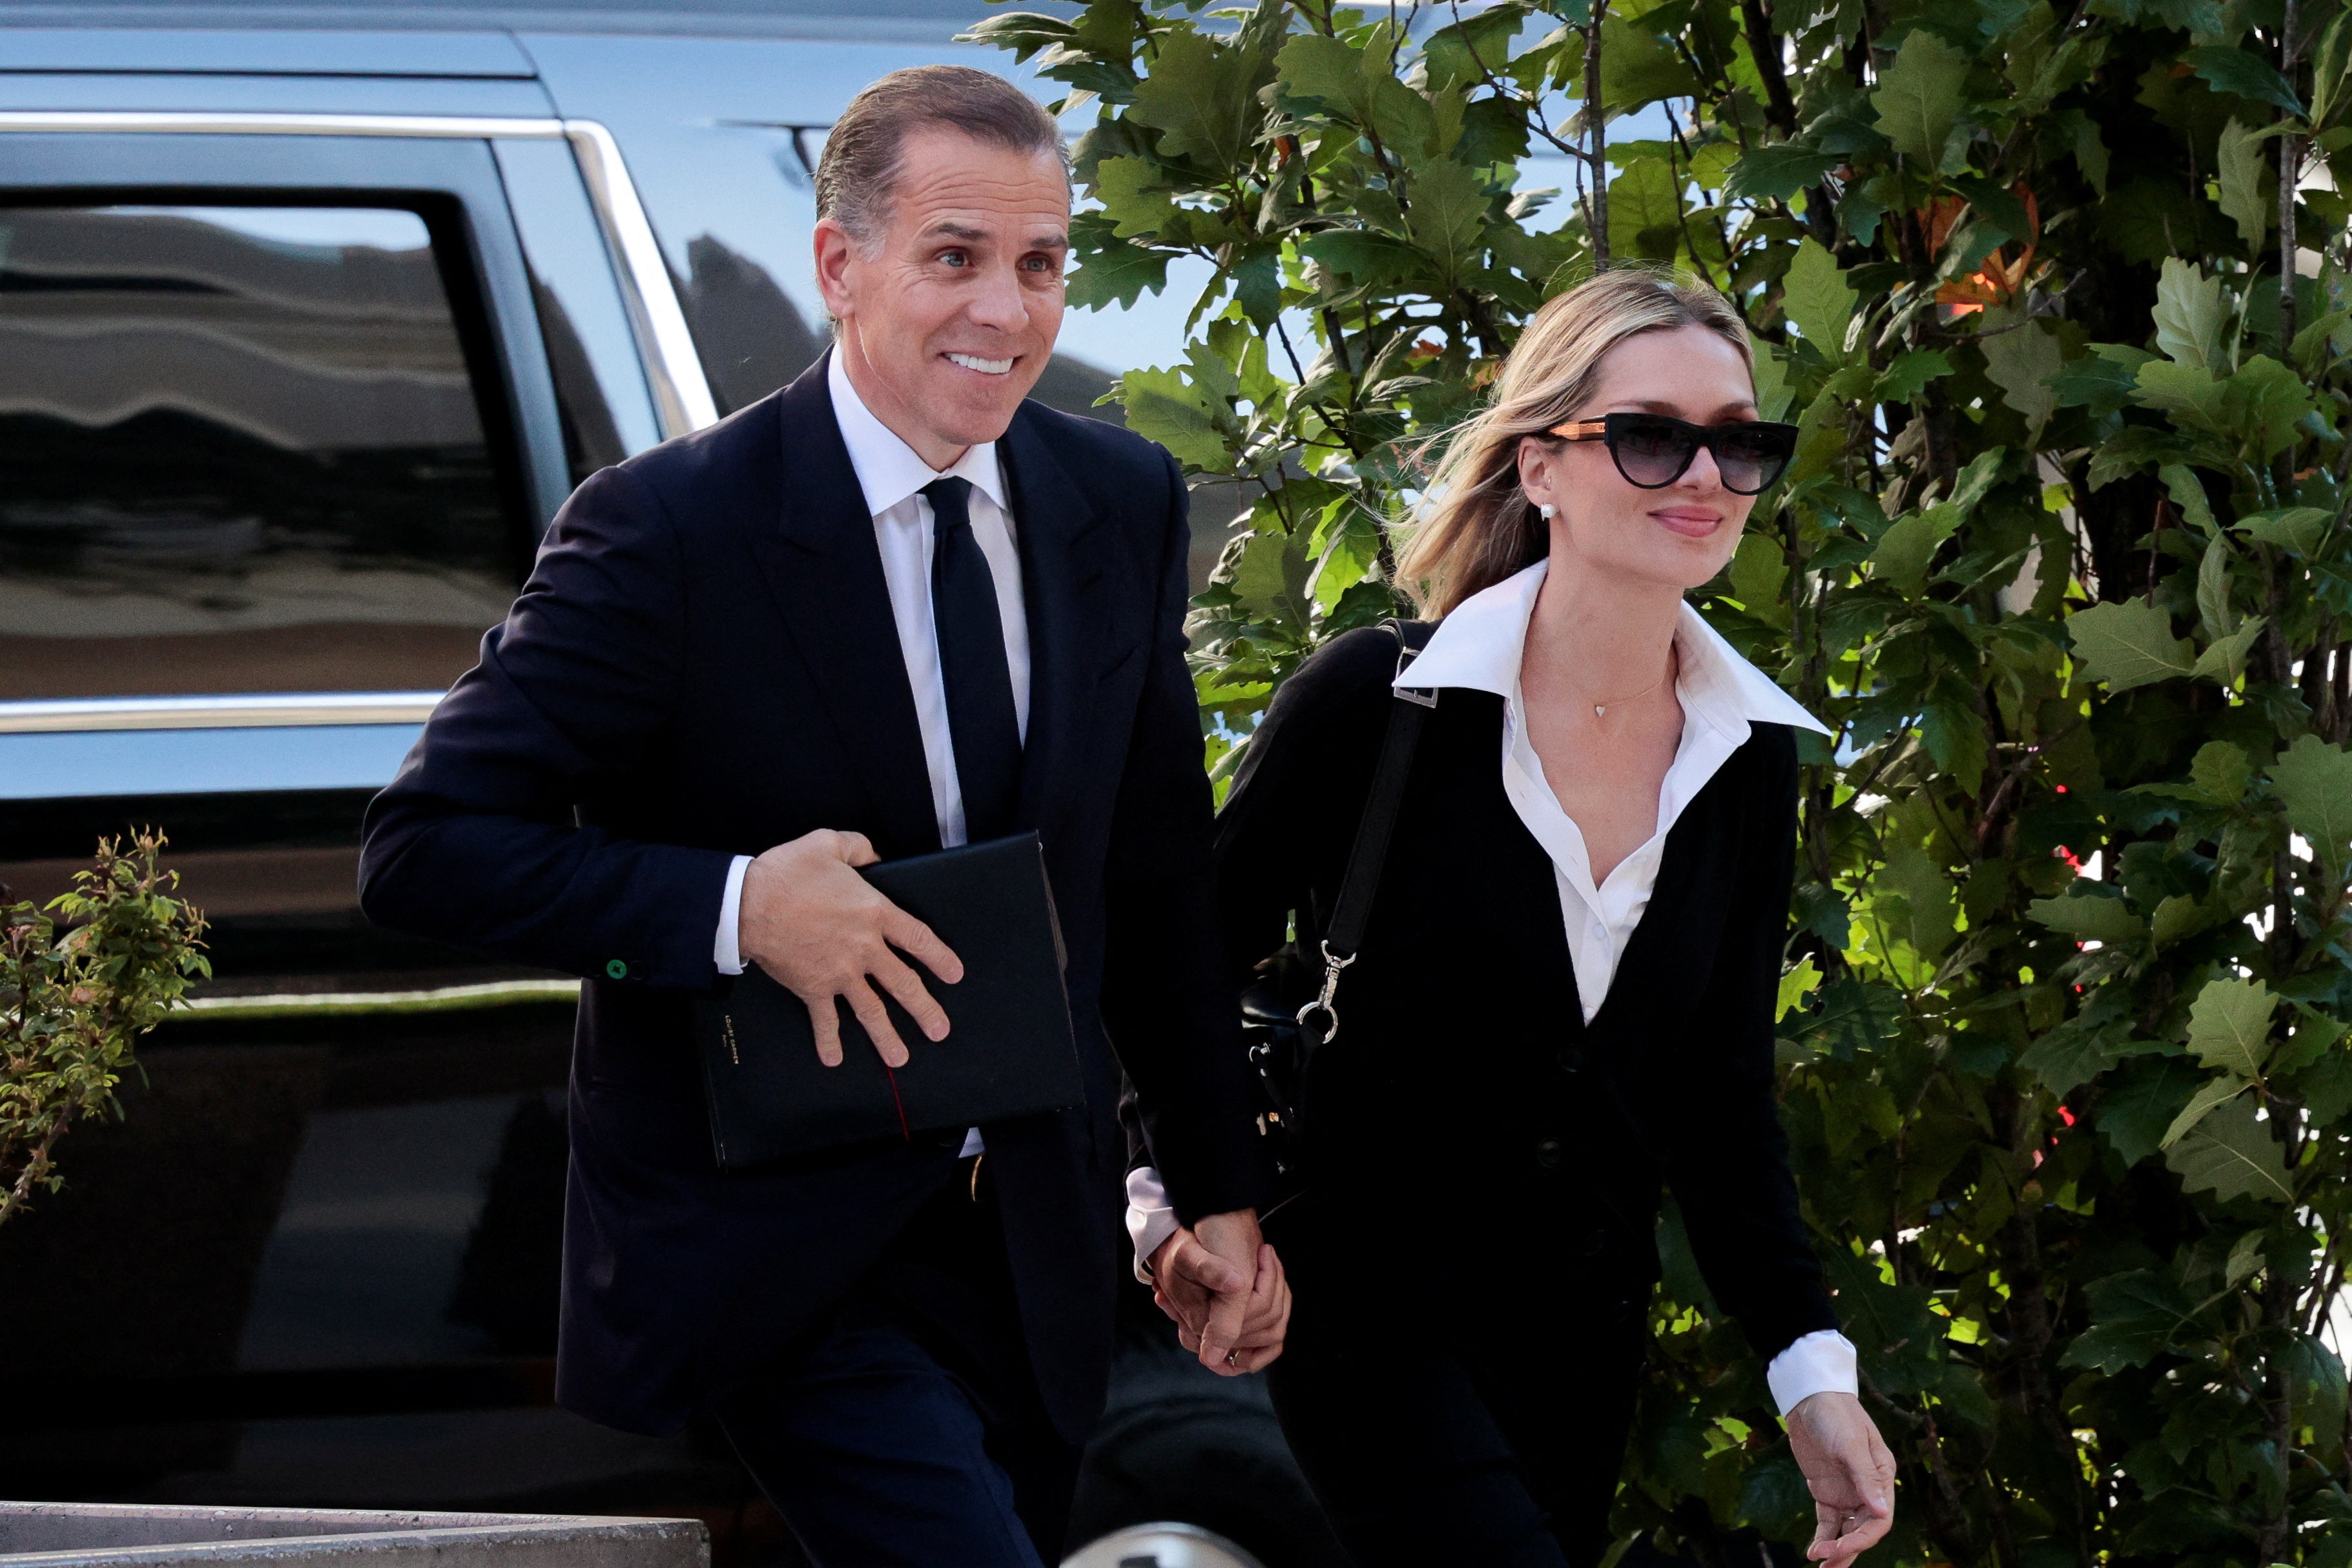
x,y
703,664
1464,1097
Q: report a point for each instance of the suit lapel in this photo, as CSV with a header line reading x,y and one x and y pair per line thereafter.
x,y
1051,517
1685,911
825,572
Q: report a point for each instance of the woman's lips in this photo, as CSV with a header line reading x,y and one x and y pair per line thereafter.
x,y
1689,522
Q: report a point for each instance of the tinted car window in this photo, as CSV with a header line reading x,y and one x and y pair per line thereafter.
x,y
240,451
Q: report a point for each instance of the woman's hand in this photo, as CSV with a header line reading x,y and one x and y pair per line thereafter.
x,y
1849,1473
1225,1289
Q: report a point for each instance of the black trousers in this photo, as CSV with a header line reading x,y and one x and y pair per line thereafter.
x,y
1495,1445
908,1430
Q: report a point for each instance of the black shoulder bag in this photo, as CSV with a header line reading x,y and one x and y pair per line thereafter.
x,y
1283,1037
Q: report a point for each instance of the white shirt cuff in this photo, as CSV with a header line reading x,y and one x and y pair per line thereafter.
x,y
1820,1363
1150,1220
726,949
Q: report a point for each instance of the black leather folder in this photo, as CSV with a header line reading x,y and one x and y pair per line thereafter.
x,y
1009,1050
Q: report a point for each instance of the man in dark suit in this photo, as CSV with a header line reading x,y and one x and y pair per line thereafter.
x,y
890,608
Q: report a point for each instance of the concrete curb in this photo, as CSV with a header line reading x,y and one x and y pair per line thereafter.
x,y
104,1535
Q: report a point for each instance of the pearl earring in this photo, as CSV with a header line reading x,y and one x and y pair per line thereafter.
x,y
1545,511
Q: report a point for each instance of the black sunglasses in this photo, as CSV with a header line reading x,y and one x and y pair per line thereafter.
x,y
1653,451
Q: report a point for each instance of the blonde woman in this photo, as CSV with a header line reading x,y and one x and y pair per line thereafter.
x,y
1563,1003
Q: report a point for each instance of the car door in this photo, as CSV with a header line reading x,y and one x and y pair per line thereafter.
x,y
286,399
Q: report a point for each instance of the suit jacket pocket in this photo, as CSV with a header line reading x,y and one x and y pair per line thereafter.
x,y
1118,666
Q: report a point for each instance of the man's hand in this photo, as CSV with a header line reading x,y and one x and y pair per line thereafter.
x,y
1849,1473
1225,1289
822,932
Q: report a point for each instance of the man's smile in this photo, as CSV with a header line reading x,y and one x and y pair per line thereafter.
x,y
984,366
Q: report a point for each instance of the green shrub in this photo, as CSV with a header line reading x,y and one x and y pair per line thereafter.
x,y
71,1007
2063,559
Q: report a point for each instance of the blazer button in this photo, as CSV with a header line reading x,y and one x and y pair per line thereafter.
x,y
1549,1153
617,968
1596,1244
1570,1057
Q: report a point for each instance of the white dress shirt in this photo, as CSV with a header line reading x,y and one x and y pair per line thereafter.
x,y
892,477
1480,646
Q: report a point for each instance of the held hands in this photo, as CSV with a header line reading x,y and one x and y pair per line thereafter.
x,y
1850,1472
822,932
1224,1287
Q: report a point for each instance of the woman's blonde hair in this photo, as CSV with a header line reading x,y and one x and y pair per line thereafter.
x,y
1478,526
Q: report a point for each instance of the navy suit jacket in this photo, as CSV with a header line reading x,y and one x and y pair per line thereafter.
x,y
704,664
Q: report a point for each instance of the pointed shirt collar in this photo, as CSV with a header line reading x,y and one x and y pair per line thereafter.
x,y
888,470
1479,647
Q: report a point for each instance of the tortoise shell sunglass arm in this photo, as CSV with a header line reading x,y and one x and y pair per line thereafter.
x,y
1653,450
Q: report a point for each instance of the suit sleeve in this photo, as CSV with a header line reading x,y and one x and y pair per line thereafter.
x,y
1172,1015
1730,1166
476,840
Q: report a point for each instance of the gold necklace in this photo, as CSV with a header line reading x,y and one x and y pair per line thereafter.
x,y
1600,710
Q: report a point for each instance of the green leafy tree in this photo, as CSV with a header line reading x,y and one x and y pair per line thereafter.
x,y
72,1005
2057,297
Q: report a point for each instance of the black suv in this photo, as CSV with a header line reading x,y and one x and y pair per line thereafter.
x,y
310,316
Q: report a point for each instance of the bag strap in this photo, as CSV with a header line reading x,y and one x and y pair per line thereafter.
x,y
1353,909
1354,906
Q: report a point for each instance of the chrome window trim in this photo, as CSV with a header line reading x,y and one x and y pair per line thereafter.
x,y
682,397
681,393
84,715
220,123
345,1004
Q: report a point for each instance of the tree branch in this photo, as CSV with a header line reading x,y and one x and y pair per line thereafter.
x,y
1596,133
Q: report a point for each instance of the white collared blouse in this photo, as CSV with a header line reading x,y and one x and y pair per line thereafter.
x,y
1480,646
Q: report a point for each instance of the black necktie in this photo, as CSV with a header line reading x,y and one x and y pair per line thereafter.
x,y
980,717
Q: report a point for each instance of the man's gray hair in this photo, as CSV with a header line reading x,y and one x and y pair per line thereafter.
x,y
858,173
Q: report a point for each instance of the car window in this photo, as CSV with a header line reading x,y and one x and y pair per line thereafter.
x,y
241,450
